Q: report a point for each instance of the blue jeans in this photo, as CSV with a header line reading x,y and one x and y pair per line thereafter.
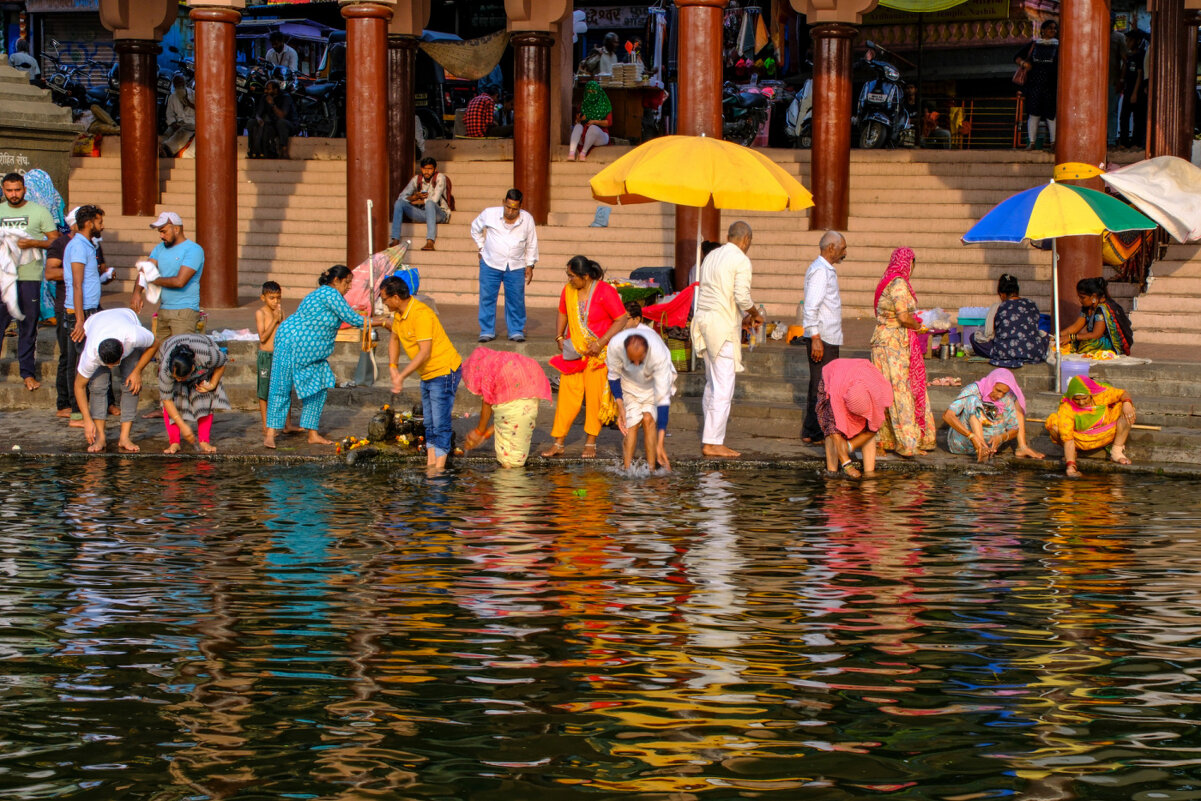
x,y
490,281
430,213
437,405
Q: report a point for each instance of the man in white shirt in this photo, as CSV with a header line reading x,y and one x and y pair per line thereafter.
x,y
508,246
115,344
20,59
722,297
822,319
609,56
642,380
281,54
181,117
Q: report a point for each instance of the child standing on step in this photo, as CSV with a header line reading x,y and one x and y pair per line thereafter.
x,y
267,320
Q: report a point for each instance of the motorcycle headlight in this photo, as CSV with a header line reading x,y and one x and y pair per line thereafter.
x,y
890,73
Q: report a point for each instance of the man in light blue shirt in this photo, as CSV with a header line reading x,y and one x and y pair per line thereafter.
x,y
180,262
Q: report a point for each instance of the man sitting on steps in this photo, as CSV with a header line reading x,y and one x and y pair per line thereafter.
x,y
425,197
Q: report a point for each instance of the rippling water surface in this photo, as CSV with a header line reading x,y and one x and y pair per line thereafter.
x,y
209,631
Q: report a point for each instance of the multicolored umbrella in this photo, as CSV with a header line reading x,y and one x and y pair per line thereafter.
x,y
1055,210
1052,211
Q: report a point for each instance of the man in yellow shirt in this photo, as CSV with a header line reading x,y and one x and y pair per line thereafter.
x,y
432,356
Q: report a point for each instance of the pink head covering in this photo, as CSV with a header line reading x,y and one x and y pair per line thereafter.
x,y
500,376
899,266
858,394
1001,376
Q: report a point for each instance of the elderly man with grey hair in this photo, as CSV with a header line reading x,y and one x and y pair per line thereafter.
x,y
722,298
822,319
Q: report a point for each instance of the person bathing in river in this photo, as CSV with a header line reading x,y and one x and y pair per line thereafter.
x,y
418,330
852,398
987,414
1092,415
189,386
642,381
1102,325
510,386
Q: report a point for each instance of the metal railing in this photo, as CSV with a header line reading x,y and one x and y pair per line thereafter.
x,y
980,123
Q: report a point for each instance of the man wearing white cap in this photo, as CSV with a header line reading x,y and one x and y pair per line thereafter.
x,y
179,262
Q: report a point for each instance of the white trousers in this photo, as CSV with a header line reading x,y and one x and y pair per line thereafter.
x,y
596,135
719,393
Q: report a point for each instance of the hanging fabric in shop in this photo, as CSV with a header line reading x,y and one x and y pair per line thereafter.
x,y
921,6
469,60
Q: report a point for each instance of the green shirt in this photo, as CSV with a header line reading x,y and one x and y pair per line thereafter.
x,y
37,222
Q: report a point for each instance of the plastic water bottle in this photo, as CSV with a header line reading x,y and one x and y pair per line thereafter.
x,y
761,332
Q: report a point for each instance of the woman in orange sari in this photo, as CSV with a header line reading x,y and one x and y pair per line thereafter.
x,y
590,314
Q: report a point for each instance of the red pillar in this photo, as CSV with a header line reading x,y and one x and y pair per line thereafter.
x,y
830,168
402,53
216,154
139,125
1081,126
531,120
367,169
1191,19
1165,132
698,112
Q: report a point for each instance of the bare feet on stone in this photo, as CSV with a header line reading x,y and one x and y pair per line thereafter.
x,y
206,447
1029,453
98,446
317,439
127,446
114,411
172,448
63,413
75,423
32,383
719,452
292,428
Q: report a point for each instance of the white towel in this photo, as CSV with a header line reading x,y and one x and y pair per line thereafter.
x,y
147,272
11,256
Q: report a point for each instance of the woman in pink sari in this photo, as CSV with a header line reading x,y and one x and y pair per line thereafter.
x,y
852,399
909,426
510,386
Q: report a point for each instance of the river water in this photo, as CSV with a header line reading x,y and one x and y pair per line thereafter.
x,y
196,630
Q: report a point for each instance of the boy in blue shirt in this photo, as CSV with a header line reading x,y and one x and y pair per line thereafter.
x,y
180,262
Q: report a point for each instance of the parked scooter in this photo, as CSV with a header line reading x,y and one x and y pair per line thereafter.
x,y
880,114
798,121
743,114
318,106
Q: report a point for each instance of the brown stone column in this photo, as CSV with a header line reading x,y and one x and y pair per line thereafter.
x,y
1081,126
531,120
367,162
139,125
698,111
402,54
830,168
1191,20
216,154
1165,130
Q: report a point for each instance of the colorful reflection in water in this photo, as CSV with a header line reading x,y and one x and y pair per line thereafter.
x,y
210,631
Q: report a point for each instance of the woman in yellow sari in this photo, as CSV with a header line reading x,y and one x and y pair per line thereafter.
x,y
590,314
1092,415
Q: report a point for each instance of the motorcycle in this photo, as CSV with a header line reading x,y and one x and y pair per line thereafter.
x,y
743,114
798,120
880,115
66,84
318,106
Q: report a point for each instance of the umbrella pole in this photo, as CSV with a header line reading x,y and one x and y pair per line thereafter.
x,y
692,350
1055,307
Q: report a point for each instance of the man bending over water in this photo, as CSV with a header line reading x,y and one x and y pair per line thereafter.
x,y
642,380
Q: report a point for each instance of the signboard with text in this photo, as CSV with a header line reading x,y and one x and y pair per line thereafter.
x,y
607,17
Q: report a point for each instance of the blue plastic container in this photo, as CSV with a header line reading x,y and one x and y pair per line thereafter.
x,y
1069,368
1044,323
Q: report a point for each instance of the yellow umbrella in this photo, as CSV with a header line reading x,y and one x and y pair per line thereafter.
x,y
697,170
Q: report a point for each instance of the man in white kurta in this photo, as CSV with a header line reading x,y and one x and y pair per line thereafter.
x,y
642,380
722,298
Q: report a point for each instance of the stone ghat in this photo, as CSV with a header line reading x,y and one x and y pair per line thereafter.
x,y
765,421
